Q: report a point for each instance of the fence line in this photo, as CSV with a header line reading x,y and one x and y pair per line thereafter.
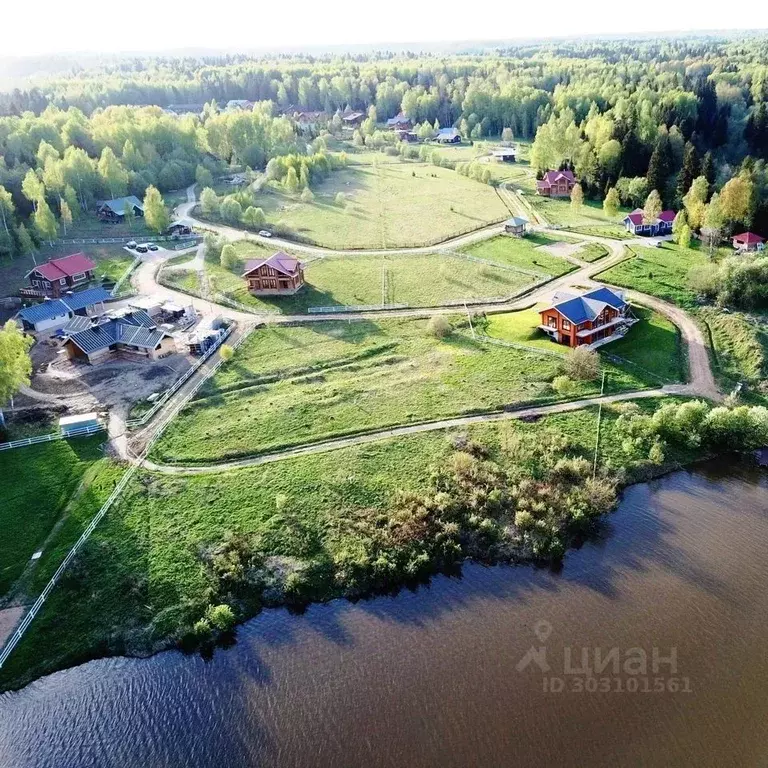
x,y
224,299
123,240
18,634
145,417
76,432
128,272
488,262
357,308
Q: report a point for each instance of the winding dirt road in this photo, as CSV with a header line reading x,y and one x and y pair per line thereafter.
x,y
701,382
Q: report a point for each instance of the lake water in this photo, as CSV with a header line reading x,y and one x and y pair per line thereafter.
x,y
453,674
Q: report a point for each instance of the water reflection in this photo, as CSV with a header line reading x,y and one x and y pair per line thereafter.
x,y
430,677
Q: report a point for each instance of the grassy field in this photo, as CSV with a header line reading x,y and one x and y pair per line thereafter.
x,y
289,386
417,280
741,348
661,272
592,252
387,205
35,486
558,211
111,261
525,253
140,578
651,349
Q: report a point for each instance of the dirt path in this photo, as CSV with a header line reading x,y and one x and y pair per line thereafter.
x,y
411,429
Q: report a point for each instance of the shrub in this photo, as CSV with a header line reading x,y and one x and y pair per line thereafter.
x,y
228,257
563,386
221,617
341,199
439,327
582,364
231,210
226,352
201,628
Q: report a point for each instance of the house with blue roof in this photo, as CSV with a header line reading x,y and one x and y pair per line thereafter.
x,y
593,317
53,314
130,334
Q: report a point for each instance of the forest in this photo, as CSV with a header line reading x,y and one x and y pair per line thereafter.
x,y
686,119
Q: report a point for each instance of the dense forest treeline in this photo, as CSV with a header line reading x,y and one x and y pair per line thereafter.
x,y
630,116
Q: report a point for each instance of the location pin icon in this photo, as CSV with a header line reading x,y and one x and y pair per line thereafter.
x,y
542,629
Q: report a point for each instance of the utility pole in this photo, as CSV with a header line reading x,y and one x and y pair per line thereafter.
x,y
597,435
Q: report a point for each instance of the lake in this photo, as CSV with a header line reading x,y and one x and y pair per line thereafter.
x,y
646,648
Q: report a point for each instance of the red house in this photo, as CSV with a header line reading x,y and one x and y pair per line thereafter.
x,y
596,316
280,274
748,241
556,184
57,276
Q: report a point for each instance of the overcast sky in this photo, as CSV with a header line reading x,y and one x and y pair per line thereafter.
x,y
50,26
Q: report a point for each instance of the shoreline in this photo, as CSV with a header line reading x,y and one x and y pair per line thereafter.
x,y
177,644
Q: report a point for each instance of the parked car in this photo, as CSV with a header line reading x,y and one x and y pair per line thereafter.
x,y
264,233
153,247
142,248
131,244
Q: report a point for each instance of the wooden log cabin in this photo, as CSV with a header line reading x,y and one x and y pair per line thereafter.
x,y
595,317
278,275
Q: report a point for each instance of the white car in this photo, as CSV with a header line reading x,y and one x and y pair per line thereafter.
x,y
264,233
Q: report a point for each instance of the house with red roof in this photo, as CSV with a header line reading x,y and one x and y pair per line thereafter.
x,y
58,276
556,184
279,275
636,224
748,241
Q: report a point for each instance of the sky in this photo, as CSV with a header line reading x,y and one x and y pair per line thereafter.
x,y
161,26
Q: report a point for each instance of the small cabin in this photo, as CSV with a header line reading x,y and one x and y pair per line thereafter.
x,y
748,242
515,226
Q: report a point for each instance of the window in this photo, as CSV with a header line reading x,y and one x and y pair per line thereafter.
x,y
552,322
36,282
78,277
566,325
63,281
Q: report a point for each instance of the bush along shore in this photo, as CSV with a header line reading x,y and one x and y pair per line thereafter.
x,y
356,522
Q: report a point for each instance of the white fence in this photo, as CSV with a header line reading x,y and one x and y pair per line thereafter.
x,y
77,432
123,240
145,417
128,272
355,308
18,634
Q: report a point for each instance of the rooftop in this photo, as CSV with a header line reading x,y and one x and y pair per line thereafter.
x,y
280,261
67,266
117,204
580,308
65,305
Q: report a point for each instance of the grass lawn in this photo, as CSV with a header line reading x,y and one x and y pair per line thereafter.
x,y
592,252
524,252
388,205
35,485
651,350
187,280
558,211
652,345
661,272
139,577
289,386
111,260
418,280
740,346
